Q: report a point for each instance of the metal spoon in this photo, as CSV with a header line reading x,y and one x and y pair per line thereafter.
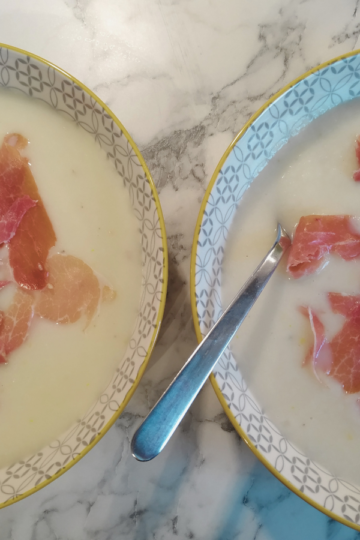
x,y
163,419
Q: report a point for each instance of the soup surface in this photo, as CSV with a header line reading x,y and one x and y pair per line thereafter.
x,y
53,378
312,174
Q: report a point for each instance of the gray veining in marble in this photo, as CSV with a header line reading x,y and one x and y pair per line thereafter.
x,y
183,76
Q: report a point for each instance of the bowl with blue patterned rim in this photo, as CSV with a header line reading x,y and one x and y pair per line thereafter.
x,y
31,76
281,118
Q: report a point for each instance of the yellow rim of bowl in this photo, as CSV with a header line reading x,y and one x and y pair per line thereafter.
x,y
215,385
163,290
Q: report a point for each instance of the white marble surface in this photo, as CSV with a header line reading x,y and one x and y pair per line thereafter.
x,y
183,76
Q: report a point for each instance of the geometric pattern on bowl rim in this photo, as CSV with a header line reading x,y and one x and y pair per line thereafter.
x,y
282,117
35,77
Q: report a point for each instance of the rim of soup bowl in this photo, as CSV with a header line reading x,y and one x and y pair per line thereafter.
x,y
160,314
196,322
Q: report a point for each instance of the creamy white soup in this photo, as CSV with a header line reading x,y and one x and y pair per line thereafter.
x,y
60,370
312,174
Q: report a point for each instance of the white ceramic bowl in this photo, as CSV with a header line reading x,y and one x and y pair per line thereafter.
x,y
41,80
281,118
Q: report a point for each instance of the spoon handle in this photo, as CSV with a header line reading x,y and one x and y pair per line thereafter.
x,y
163,419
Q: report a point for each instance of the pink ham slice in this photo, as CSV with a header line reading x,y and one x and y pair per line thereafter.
x,y
34,234
356,175
340,358
315,237
15,323
10,221
346,305
345,346
61,288
73,290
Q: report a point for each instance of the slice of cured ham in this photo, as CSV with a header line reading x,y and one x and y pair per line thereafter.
x,y
345,346
356,175
315,237
73,290
10,221
346,305
61,288
339,358
15,323
34,236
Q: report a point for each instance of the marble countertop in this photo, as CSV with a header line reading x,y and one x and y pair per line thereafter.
x,y
183,76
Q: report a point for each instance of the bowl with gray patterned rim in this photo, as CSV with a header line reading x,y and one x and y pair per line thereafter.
x,y
289,111
38,79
